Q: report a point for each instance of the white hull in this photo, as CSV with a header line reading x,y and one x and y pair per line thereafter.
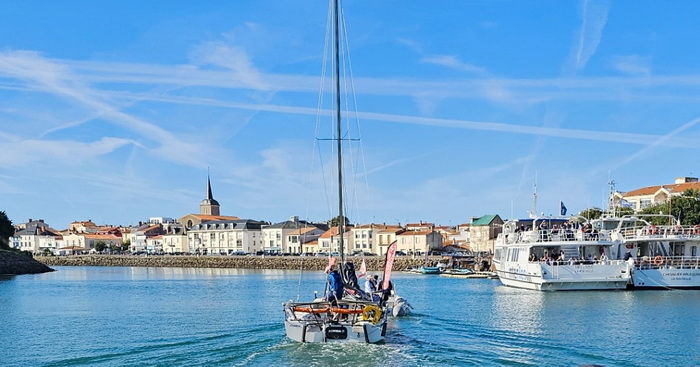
x,y
319,322
329,332
562,284
666,278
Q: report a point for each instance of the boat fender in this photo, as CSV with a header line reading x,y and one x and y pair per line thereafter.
x,y
373,313
658,260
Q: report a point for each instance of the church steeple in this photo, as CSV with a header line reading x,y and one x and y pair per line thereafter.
x,y
209,206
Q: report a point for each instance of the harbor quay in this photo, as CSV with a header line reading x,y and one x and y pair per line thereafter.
x,y
373,263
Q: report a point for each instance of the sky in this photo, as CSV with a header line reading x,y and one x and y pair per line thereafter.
x,y
116,111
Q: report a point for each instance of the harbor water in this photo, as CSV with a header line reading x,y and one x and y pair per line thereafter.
x,y
118,316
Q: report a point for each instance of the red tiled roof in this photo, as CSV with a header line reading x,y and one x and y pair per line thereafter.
x,y
414,233
673,188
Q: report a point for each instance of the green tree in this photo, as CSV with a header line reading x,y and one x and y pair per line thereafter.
x,y
334,222
100,246
591,213
685,208
7,230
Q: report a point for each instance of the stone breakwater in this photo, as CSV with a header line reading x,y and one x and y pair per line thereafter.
x,y
374,263
12,263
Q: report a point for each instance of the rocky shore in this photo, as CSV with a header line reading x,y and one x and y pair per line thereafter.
x,y
374,263
14,263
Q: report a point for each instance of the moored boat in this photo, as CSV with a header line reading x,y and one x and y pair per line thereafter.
x,y
663,256
549,254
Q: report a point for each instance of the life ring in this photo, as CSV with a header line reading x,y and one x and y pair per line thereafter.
x,y
658,260
629,245
373,313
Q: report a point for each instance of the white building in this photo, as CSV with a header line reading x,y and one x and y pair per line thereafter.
x,y
35,236
225,237
276,236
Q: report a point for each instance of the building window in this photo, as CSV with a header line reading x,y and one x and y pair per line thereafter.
x,y
644,203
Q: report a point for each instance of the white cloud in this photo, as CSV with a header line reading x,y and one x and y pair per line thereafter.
x,y
233,58
452,62
632,64
594,16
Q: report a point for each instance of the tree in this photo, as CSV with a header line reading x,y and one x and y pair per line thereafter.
x,y
100,246
591,213
7,230
685,208
334,222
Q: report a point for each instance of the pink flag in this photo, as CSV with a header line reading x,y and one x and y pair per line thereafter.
x,y
363,269
331,261
390,254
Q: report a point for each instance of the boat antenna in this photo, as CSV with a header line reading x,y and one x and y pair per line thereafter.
x,y
611,202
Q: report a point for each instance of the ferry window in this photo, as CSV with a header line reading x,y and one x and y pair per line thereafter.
x,y
694,251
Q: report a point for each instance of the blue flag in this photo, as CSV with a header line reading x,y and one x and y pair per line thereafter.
x,y
562,208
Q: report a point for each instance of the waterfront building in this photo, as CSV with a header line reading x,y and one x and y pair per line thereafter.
x,y
86,226
329,240
418,242
223,237
304,240
87,241
484,231
639,199
276,236
175,239
138,236
386,237
35,236
461,235
310,247
364,237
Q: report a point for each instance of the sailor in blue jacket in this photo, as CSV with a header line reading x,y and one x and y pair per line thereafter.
x,y
335,282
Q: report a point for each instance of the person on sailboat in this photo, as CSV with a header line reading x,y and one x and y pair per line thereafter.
x,y
335,283
371,287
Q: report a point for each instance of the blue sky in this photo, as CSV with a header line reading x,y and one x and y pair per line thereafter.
x,y
114,110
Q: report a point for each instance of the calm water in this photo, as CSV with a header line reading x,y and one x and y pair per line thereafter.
x,y
109,316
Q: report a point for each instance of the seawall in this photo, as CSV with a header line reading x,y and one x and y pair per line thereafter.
x,y
374,263
13,263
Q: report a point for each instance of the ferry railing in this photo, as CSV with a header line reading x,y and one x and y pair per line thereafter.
x,y
668,262
652,231
564,235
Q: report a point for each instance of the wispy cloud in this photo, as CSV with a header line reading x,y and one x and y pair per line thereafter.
x,y
453,62
53,78
594,16
233,58
632,64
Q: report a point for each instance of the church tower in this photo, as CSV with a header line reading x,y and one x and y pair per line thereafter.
x,y
209,206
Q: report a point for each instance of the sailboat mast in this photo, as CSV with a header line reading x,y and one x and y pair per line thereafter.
x,y
341,217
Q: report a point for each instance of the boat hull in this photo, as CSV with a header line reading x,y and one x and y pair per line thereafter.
x,y
542,277
303,331
668,278
562,284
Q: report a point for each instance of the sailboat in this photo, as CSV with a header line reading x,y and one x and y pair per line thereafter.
x,y
350,316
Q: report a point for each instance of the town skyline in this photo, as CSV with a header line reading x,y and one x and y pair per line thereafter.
x,y
116,112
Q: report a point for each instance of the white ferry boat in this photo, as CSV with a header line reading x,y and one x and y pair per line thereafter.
x,y
661,256
549,254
